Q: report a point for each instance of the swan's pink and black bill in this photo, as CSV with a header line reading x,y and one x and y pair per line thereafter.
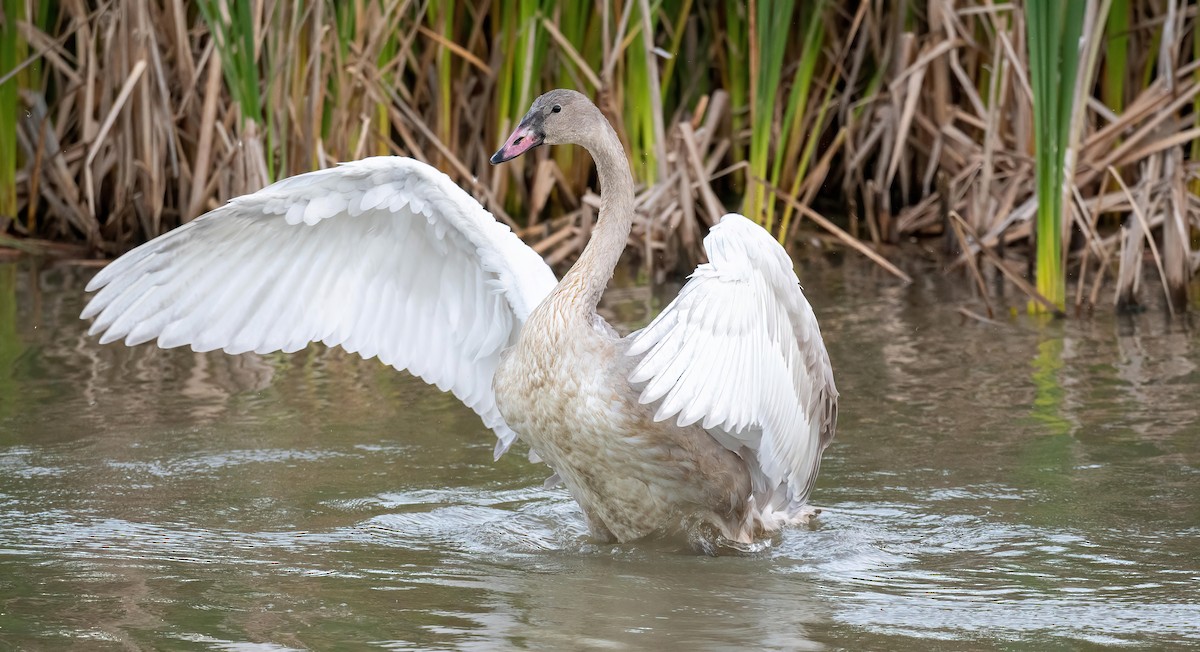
x,y
526,137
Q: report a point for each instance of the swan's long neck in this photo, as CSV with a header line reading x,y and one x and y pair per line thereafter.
x,y
585,282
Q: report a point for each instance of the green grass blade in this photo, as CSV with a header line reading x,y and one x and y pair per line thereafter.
x,y
11,53
771,33
1054,31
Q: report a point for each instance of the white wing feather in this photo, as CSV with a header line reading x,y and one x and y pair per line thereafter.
x,y
740,352
384,257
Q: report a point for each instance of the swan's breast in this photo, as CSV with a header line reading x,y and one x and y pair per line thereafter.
x,y
556,384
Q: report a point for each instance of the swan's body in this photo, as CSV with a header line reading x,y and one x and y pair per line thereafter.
x,y
716,414
565,387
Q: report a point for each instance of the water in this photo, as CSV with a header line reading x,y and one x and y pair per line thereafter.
x,y
1012,486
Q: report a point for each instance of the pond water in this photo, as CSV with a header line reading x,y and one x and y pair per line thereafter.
x,y
1011,485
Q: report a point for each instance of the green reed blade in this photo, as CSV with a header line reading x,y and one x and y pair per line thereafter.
x,y
1116,55
772,31
1054,56
11,53
791,162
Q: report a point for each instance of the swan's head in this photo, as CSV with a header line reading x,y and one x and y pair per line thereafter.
x,y
558,117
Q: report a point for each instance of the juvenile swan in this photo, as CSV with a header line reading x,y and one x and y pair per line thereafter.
x,y
710,420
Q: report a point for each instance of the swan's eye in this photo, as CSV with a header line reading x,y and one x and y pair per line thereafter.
x,y
555,109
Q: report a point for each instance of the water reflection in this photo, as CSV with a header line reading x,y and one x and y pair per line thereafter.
x,y
1013,485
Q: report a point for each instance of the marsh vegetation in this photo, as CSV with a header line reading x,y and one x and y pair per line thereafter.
x,y
1031,142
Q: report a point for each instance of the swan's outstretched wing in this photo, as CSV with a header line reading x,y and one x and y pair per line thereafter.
x,y
739,351
384,257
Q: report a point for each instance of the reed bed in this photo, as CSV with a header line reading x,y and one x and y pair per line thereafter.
x,y
995,136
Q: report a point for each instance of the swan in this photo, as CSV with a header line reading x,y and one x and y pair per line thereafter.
x,y
710,421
